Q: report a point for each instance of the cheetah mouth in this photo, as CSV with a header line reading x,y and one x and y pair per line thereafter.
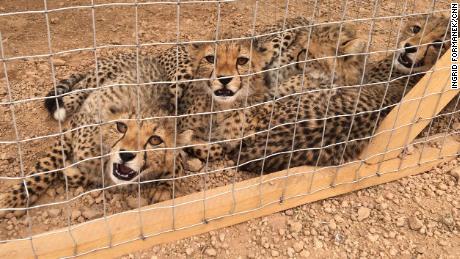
x,y
407,62
224,92
123,172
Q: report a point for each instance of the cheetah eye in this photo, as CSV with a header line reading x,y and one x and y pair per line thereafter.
x,y
242,61
121,127
345,42
415,29
210,59
155,140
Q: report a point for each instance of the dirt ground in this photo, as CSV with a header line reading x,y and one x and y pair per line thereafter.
x,y
416,217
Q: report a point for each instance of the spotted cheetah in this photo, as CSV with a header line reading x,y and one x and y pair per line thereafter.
x,y
331,126
138,154
71,92
226,87
230,87
334,53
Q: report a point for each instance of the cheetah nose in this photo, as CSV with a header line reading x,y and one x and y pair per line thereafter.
x,y
224,80
126,156
408,48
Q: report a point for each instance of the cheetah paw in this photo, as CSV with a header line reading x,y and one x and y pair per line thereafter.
x,y
161,192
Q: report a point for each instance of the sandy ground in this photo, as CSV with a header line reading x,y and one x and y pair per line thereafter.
x,y
330,228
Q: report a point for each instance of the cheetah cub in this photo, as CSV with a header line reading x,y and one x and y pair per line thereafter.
x,y
71,92
215,105
323,128
141,151
315,53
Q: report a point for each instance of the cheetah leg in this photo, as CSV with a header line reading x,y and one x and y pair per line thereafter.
x,y
216,151
163,190
27,192
87,158
62,107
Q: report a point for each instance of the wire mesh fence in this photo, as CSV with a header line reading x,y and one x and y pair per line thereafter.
x,y
212,108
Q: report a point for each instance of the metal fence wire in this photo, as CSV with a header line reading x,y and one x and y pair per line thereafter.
x,y
328,83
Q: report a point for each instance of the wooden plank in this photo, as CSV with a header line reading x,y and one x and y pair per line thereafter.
x,y
431,94
189,210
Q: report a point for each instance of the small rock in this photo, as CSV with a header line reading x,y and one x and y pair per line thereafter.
x,y
289,212
448,220
392,234
393,252
415,223
373,238
389,196
332,225
400,221
222,237
363,213
275,253
305,254
194,165
296,227
51,192
409,150
290,252
456,126
298,246
211,252
54,212
75,214
317,243
442,186
58,62
456,174
91,213
443,243
60,190
189,251
78,191
19,213
282,231
133,202
420,249
95,194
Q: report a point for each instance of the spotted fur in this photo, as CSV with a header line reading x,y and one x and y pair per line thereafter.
x,y
72,92
324,126
81,156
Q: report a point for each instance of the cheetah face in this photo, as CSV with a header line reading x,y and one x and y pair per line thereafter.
x,y
145,151
423,38
334,48
227,65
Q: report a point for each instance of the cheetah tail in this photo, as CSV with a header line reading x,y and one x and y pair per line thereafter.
x,y
55,106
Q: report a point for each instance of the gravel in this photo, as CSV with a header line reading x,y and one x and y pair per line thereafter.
x,y
407,218
363,213
411,224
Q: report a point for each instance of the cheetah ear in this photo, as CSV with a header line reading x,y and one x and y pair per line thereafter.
x,y
197,50
302,55
354,46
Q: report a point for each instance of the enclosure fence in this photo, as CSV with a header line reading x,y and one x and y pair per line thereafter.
x,y
395,150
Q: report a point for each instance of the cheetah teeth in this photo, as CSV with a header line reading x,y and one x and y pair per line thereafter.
x,y
123,172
